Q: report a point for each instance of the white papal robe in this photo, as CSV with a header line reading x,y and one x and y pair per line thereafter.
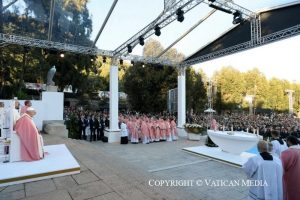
x,y
270,171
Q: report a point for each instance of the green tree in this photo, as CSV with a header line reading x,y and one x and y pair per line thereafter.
x,y
256,84
231,91
276,98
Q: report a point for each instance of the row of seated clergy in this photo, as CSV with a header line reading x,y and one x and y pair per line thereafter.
x,y
26,142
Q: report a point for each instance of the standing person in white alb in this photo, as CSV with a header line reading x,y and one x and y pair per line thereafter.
x,y
124,133
267,171
279,145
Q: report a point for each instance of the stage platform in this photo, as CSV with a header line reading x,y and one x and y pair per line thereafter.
x,y
219,155
58,161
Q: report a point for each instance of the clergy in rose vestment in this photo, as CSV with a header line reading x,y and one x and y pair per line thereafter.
x,y
151,131
168,130
291,165
27,104
163,129
144,131
174,130
213,125
31,141
267,171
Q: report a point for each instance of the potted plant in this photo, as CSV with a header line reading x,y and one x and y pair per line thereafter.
x,y
195,131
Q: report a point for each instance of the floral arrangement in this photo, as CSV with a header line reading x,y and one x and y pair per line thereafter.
x,y
194,128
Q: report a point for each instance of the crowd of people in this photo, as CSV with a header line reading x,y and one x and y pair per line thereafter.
x,y
138,127
263,124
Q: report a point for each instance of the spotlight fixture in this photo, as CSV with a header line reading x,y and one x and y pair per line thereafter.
x,y
212,0
62,55
121,62
220,8
237,17
157,30
132,62
129,47
179,14
104,59
141,40
92,59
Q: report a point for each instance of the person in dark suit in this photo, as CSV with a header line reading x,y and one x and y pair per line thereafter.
x,y
106,122
82,123
92,128
102,127
97,128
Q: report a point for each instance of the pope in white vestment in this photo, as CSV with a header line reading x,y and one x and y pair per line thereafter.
x,y
267,171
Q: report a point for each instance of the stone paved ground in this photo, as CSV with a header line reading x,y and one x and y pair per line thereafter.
x,y
121,172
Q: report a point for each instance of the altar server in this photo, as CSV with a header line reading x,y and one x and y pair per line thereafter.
x,y
267,171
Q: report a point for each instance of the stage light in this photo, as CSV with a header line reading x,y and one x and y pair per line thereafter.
x,y
104,59
62,55
92,58
212,0
121,62
129,48
220,8
179,14
132,62
141,41
157,30
237,17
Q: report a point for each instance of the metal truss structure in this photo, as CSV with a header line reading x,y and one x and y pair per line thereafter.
x,y
283,34
46,44
255,30
169,15
165,18
231,6
6,39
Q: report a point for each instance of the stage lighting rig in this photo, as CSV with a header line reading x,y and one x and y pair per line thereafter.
x,y
141,41
219,8
157,30
237,17
179,13
129,48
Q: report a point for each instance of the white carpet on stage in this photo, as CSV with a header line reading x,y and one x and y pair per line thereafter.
x,y
219,155
58,161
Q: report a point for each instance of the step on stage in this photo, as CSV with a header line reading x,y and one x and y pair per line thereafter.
x,y
217,154
58,161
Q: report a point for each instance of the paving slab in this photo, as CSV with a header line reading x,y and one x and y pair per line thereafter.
x,y
64,182
13,188
89,190
12,195
54,195
39,187
85,177
108,196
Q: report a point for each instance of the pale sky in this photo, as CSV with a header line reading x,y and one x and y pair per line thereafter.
x,y
279,59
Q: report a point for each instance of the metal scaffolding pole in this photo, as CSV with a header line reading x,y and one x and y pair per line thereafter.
x,y
104,23
8,5
51,17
